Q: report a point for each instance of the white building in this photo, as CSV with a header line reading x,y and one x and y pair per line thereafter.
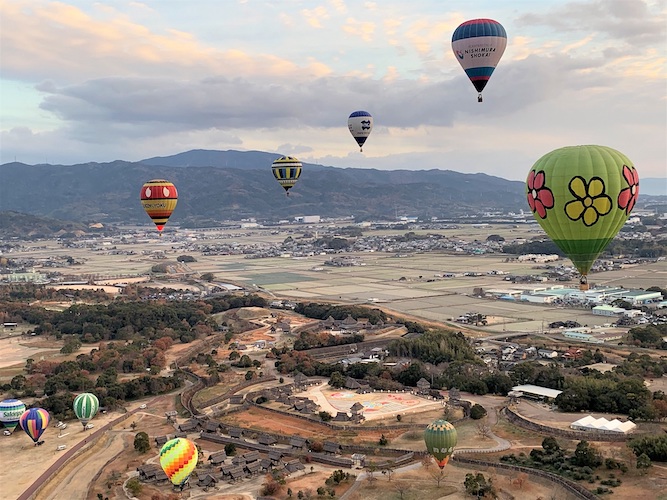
x,y
590,423
535,391
607,310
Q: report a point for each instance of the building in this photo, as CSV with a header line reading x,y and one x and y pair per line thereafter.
x,y
582,336
607,310
592,424
639,297
535,392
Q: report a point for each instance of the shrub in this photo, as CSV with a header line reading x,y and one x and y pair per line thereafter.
x,y
477,412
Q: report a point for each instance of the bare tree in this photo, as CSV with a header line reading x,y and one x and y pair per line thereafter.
x,y
388,470
427,461
401,488
483,429
521,479
370,472
438,475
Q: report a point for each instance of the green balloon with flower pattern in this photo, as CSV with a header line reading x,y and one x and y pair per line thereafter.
x,y
440,438
582,196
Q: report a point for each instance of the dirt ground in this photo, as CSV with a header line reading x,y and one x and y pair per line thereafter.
x,y
28,462
15,350
421,484
377,405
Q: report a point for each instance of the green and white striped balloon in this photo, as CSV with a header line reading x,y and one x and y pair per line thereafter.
x,y
85,407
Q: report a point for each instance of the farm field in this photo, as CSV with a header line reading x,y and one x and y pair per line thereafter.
x,y
409,284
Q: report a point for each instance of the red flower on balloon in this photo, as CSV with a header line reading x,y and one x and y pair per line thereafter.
x,y
628,196
540,198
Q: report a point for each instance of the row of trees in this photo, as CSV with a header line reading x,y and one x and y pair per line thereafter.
x,y
323,311
608,393
651,336
113,394
637,248
309,340
579,465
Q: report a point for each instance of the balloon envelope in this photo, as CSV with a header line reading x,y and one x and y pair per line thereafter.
x,y
10,413
286,170
582,196
360,124
178,458
85,407
440,438
478,45
34,422
159,198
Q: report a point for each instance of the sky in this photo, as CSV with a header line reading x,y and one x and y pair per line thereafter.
x,y
85,81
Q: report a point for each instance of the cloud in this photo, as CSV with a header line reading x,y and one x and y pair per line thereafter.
x,y
637,22
314,17
36,48
292,149
339,6
363,29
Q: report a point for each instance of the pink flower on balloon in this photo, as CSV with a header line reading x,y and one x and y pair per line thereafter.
x,y
628,196
540,197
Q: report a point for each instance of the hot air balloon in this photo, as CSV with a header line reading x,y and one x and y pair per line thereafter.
x,y
159,198
286,170
440,439
85,407
360,124
478,45
582,196
34,422
178,458
10,413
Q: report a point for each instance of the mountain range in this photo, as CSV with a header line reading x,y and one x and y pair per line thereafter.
x,y
217,186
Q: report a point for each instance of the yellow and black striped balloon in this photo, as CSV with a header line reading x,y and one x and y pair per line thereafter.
x,y
286,170
159,198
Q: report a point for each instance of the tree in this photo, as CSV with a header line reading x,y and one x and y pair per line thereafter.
x,y
208,277
370,472
550,445
643,463
337,380
586,455
476,485
134,486
438,475
18,382
230,449
141,442
325,416
383,440
388,470
477,412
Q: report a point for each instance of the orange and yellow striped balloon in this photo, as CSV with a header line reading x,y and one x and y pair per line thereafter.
x,y
159,198
178,458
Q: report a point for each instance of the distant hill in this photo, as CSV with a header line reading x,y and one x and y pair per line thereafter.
x,y
17,225
216,186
